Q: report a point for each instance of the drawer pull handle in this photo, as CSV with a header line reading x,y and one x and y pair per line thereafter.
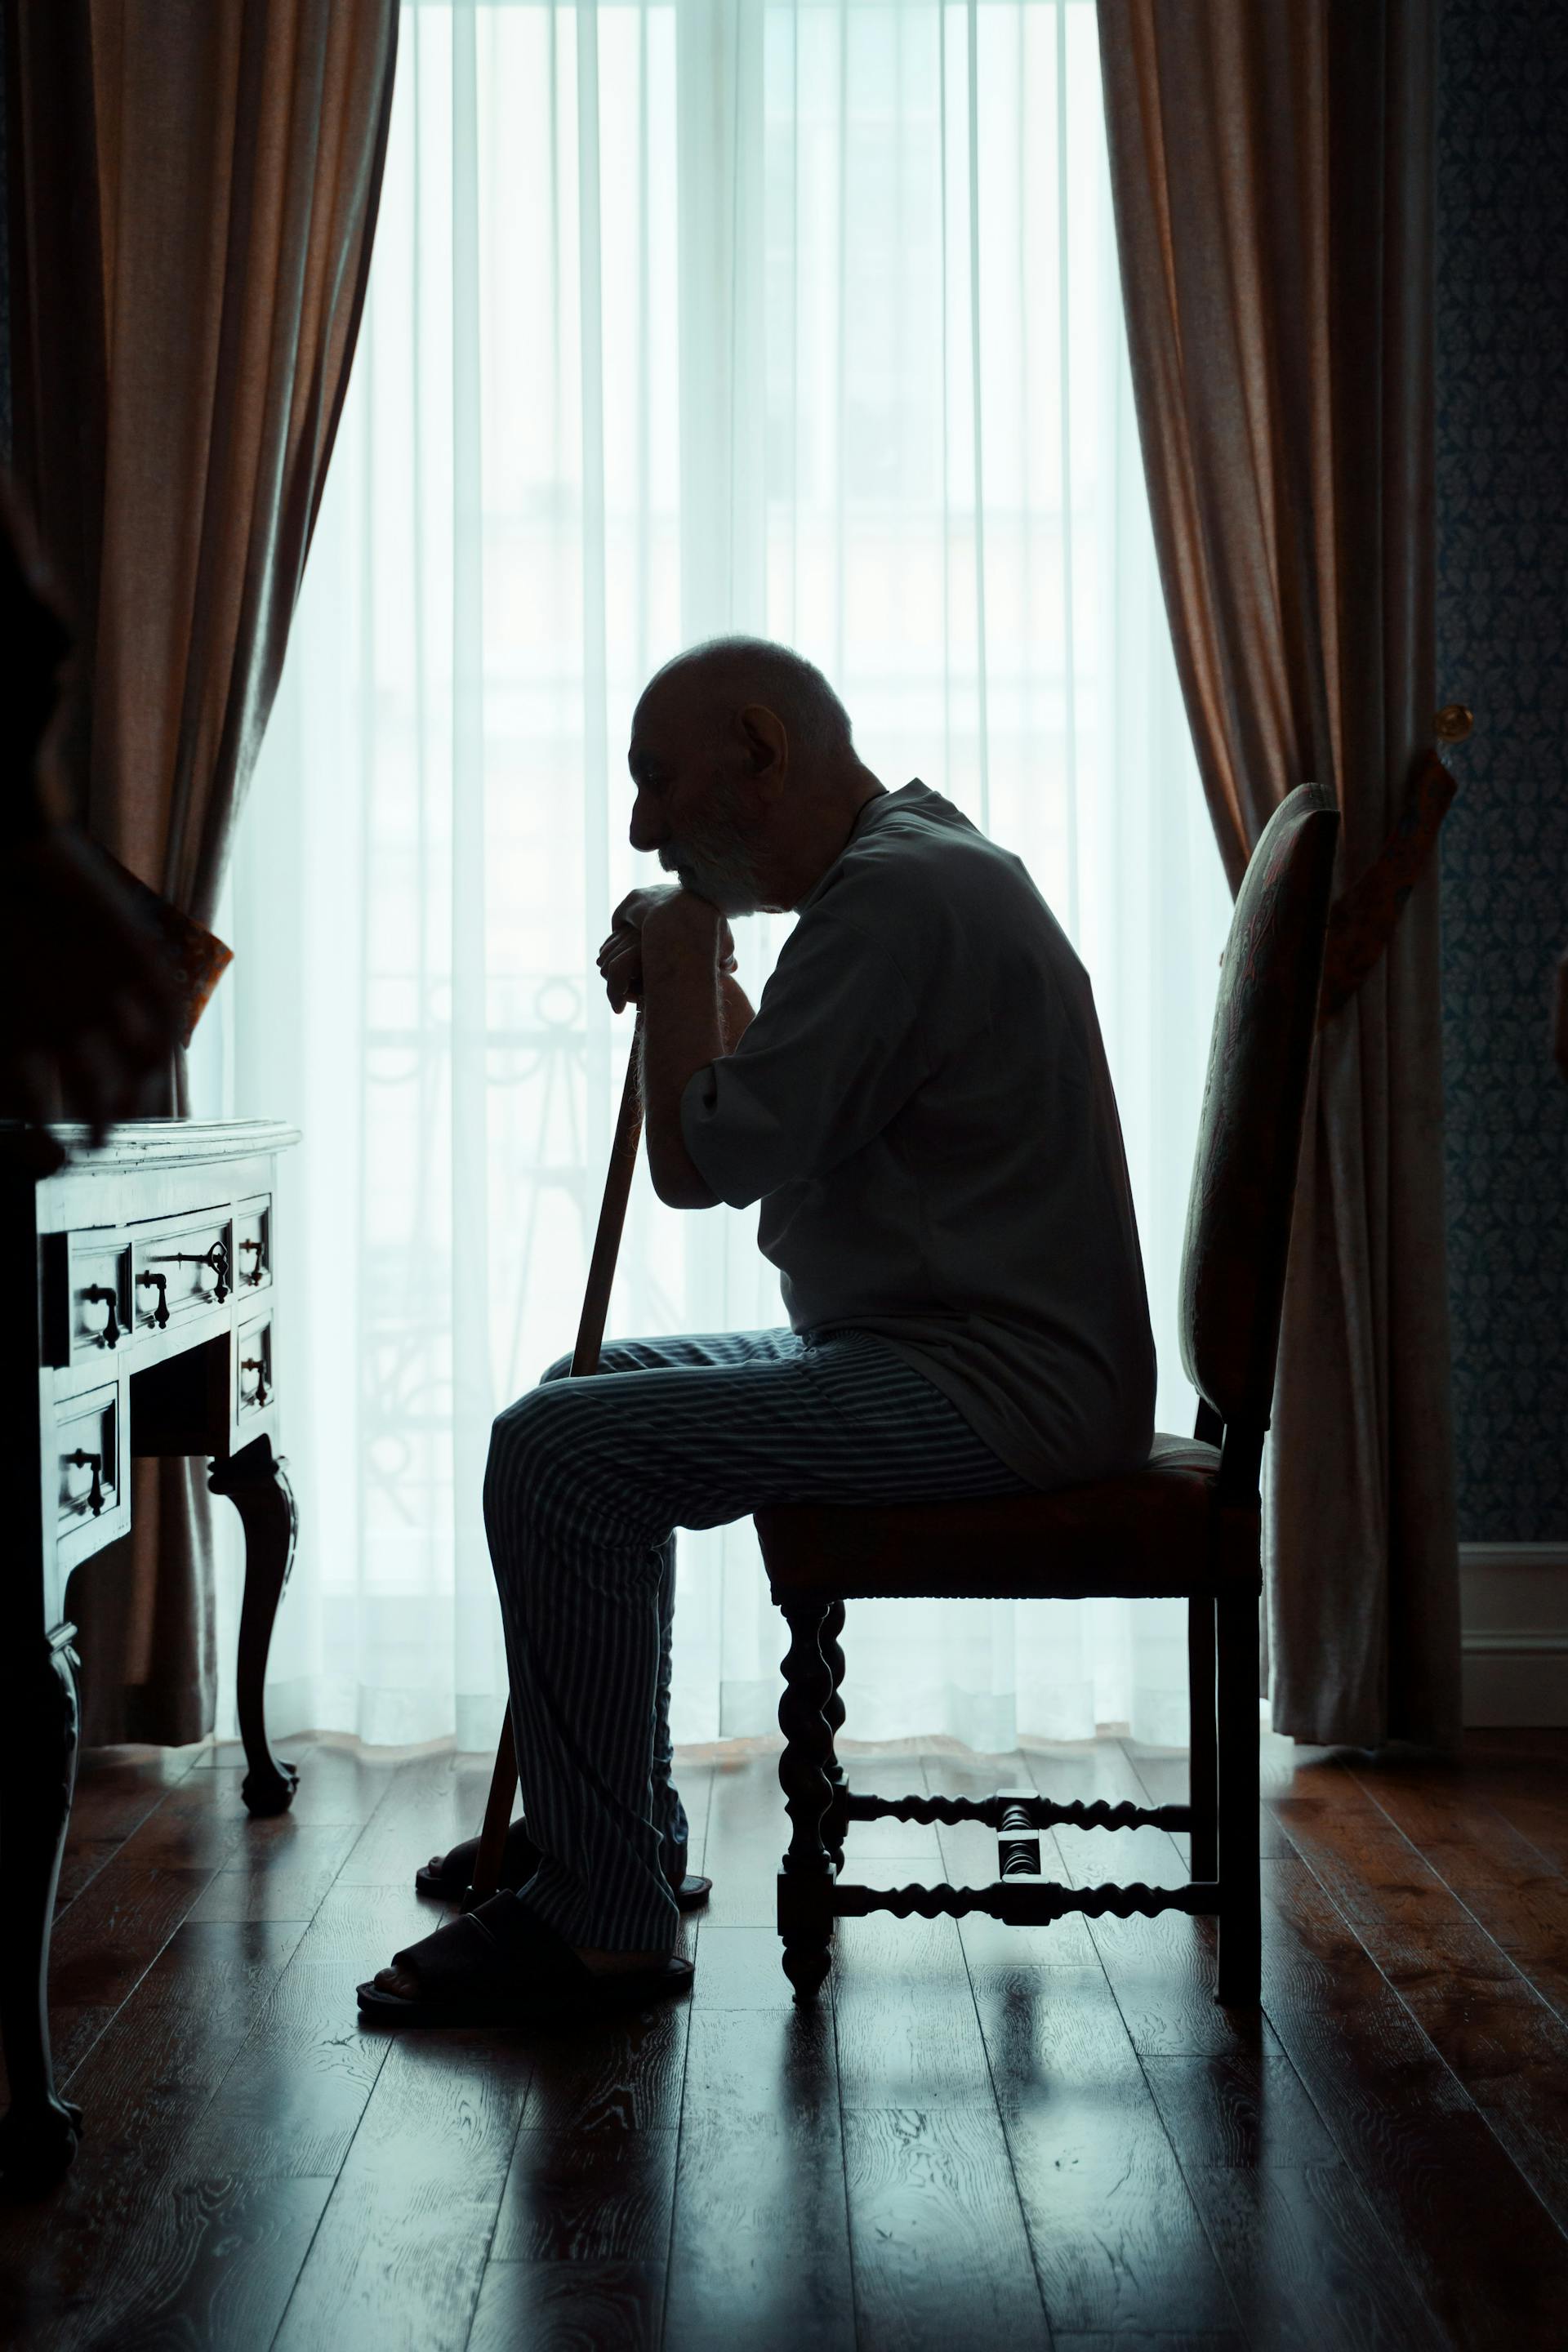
x,y
80,1461
216,1257
260,1263
159,1282
109,1335
255,1364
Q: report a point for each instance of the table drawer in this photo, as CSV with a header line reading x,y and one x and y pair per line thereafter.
x,y
87,1442
253,1245
182,1270
97,1295
252,1368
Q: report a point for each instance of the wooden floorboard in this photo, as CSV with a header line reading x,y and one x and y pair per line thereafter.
x,y
1117,2242
759,2248
399,2258
1428,2165
119,2265
113,1798
940,2253
1503,1880
1299,2246
979,2133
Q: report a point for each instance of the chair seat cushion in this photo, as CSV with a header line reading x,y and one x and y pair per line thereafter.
x,y
1151,1532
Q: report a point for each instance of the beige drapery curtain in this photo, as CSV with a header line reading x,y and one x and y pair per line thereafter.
x,y
192,199
1272,169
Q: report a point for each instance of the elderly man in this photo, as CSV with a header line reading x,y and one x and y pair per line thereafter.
x,y
921,1105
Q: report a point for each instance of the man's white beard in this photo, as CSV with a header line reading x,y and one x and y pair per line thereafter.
x,y
713,861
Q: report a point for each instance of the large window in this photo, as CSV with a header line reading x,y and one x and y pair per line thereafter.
x,y
794,316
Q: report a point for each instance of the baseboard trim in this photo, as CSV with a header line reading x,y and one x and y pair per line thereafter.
x,y
1525,1643
1514,1637
1485,1555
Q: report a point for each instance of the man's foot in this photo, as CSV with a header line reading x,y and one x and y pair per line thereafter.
x,y
500,1966
449,1875
404,1981
618,1964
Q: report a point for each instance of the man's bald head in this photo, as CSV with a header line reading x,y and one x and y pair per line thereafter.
x,y
747,777
714,682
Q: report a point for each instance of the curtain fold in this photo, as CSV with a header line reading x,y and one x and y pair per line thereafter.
x,y
1272,171
193,198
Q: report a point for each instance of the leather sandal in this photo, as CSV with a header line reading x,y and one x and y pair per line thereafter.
x,y
451,1877
500,1966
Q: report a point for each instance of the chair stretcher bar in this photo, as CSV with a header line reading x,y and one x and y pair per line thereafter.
x,y
1018,1902
1039,1811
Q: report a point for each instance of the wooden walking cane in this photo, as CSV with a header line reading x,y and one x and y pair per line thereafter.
x,y
584,1359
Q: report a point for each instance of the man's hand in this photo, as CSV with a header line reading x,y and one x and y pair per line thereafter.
x,y
620,959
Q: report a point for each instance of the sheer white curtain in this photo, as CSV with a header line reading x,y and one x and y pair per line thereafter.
x,y
791,316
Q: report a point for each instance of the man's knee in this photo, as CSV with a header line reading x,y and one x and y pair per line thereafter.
x,y
519,1447
564,1464
615,1356
542,1452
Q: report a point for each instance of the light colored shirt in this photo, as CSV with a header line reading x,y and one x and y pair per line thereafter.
x,y
923,1107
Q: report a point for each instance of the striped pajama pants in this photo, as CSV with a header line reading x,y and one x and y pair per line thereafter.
x,y
586,1482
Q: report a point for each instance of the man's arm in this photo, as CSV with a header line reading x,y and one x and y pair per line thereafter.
x,y
737,1014
834,1054
692,1014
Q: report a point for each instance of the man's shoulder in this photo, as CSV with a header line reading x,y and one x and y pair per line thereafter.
x,y
918,855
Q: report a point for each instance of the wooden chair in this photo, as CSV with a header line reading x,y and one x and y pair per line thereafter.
x,y
1189,1523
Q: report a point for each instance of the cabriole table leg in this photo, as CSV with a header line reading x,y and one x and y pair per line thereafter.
x,y
255,1482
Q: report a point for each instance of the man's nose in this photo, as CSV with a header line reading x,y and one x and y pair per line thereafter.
x,y
648,829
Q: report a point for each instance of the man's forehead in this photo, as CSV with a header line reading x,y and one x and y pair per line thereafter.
x,y
665,718
649,738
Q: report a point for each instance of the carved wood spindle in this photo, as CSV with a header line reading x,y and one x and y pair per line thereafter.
x,y
836,1819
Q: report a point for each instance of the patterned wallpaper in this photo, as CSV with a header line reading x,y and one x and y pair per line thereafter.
x,y
1502,646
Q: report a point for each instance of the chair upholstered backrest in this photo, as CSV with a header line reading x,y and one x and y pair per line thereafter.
x,y
1244,1174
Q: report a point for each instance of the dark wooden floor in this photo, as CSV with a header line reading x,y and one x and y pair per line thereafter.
x,y
996,2138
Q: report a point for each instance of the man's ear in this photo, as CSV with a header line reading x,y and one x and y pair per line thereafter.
x,y
766,740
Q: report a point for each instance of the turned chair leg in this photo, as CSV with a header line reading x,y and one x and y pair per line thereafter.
x,y
805,1878
836,1819
1240,1929
1202,1779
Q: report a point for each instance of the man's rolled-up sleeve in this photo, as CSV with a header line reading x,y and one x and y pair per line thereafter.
x,y
834,1053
